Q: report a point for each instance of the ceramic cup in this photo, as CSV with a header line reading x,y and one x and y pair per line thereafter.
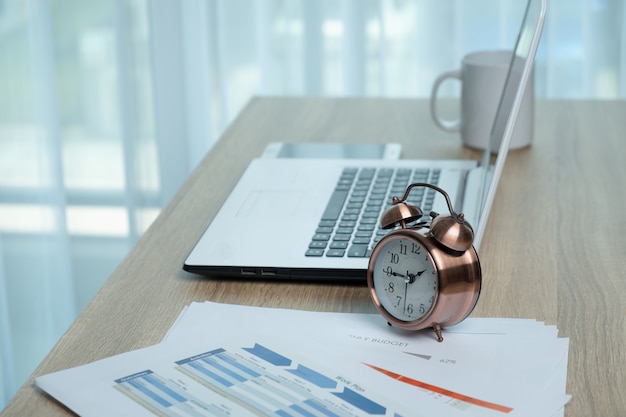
x,y
482,77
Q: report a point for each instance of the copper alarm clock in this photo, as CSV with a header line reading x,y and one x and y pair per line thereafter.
x,y
424,274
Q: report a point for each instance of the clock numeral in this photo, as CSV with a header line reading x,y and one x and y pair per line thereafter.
x,y
416,249
422,309
390,287
395,258
399,298
403,249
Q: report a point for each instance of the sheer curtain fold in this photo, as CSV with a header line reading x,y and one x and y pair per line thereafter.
x,y
169,87
126,95
313,71
197,50
353,49
106,106
56,279
7,372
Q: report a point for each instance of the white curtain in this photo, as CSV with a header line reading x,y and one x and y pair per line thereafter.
x,y
107,105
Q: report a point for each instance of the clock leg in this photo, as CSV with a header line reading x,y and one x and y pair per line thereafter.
x,y
437,329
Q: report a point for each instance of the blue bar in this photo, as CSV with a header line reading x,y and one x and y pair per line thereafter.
x,y
320,408
212,362
361,402
301,411
149,393
314,377
210,374
133,376
165,389
238,365
268,355
200,356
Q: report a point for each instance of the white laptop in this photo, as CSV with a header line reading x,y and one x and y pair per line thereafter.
x,y
315,219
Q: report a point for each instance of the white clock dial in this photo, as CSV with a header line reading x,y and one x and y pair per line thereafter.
x,y
404,279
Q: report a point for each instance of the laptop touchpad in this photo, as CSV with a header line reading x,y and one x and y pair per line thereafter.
x,y
265,205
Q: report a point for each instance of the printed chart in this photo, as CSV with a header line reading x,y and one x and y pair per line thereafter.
x,y
339,364
458,400
257,379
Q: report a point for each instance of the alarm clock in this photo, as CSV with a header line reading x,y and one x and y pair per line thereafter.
x,y
424,274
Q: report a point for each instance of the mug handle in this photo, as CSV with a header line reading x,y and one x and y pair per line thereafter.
x,y
447,125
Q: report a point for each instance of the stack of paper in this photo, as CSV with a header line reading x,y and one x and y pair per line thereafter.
x,y
227,360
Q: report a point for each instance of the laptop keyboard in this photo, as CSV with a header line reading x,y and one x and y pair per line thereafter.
x,y
350,224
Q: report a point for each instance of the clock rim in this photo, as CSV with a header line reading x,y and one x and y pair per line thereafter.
x,y
455,293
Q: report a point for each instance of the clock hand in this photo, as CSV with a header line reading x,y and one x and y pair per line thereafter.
x,y
406,286
391,273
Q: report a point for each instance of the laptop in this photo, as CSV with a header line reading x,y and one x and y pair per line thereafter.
x,y
312,219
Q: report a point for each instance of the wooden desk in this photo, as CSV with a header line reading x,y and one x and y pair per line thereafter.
x,y
555,247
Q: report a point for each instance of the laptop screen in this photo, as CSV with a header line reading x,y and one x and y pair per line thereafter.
x,y
519,72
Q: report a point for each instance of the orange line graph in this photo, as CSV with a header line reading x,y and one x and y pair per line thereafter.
x,y
442,391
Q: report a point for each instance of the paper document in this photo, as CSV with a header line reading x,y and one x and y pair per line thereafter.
x,y
228,360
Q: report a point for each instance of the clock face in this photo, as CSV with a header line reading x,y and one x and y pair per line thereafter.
x,y
404,279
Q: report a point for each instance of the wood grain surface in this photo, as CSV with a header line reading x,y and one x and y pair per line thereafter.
x,y
554,249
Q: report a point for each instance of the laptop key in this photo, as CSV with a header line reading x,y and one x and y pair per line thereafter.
x,y
370,215
327,223
335,253
350,218
317,244
314,252
357,251
335,204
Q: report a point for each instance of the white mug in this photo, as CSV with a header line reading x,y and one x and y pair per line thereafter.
x,y
482,77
